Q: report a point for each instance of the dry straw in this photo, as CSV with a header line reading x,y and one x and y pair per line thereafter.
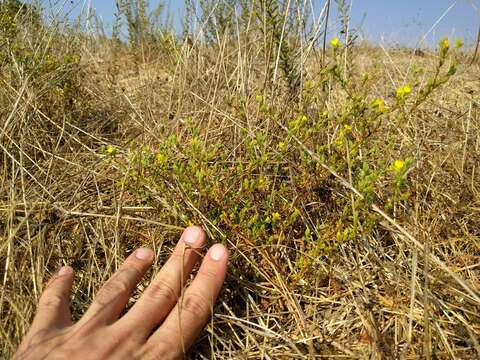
x,y
343,177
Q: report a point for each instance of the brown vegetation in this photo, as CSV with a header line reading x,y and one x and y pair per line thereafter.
x,y
348,193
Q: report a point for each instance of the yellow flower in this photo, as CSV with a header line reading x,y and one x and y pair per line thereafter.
x,y
335,42
399,165
281,145
404,90
444,44
378,104
347,127
276,216
160,158
325,114
458,43
110,150
261,183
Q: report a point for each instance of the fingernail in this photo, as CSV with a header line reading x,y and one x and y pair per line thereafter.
x,y
143,254
217,252
193,236
65,270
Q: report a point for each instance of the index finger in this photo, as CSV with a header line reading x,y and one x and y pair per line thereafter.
x,y
189,316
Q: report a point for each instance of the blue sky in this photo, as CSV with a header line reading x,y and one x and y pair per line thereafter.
x,y
402,22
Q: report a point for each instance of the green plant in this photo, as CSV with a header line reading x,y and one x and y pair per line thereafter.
x,y
345,189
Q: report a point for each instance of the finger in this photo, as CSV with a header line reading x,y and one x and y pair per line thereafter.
x,y
163,292
189,316
53,307
114,294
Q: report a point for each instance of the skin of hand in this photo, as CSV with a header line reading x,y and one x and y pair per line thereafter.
x,y
162,324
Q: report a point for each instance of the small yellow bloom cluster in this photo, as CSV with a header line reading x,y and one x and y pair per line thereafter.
x,y
335,42
378,105
110,150
398,165
402,91
160,158
261,184
299,122
275,217
444,44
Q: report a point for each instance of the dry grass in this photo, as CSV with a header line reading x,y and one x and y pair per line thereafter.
x,y
406,288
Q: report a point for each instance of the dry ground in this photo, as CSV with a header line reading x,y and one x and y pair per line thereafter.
x,y
408,289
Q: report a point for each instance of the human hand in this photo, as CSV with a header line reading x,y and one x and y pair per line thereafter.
x,y
162,324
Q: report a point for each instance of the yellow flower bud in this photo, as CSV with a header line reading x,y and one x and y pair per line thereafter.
x,y
335,42
399,165
444,44
276,216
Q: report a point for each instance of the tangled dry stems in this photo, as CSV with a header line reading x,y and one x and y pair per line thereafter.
x,y
388,292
